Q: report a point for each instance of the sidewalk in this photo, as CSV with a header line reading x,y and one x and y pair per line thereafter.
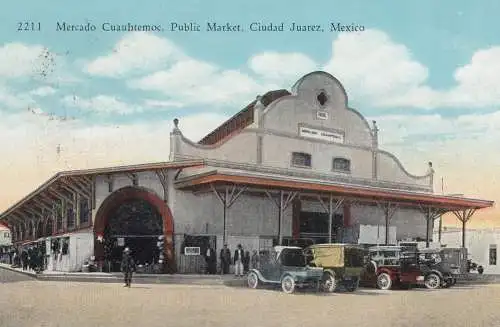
x,y
102,277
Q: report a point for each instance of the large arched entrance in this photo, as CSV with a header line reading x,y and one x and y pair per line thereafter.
x,y
136,218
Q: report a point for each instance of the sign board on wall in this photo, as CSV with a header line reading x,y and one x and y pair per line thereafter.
x,y
192,250
319,134
121,241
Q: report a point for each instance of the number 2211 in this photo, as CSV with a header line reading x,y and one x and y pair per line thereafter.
x,y
28,26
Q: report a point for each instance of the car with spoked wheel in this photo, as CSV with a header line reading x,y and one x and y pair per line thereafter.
x,y
442,266
285,266
390,266
342,264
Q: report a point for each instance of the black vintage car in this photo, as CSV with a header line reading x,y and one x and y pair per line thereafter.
x,y
443,266
285,266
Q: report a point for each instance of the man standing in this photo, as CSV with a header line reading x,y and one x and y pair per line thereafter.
x,y
238,261
127,267
210,259
225,259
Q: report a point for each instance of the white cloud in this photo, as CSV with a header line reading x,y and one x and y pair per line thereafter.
x,y
32,155
102,104
282,66
44,91
384,73
17,59
162,104
194,82
136,51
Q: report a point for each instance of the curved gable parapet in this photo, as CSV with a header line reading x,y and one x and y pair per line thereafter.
x,y
318,101
390,168
229,148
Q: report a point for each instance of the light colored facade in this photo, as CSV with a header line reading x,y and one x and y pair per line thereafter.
x,y
5,236
482,245
254,151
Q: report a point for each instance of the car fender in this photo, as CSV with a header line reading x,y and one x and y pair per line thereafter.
x,y
387,271
434,271
329,271
261,277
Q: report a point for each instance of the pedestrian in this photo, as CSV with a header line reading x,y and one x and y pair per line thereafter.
x,y
255,261
127,267
24,259
238,261
211,261
246,261
225,259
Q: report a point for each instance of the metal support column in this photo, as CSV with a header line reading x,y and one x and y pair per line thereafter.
x,y
227,199
464,216
431,214
282,203
389,210
333,205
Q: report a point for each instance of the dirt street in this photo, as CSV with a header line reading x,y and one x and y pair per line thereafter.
x,y
29,303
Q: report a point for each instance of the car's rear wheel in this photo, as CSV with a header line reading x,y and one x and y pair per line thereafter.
x,y
432,281
288,284
328,282
384,281
253,280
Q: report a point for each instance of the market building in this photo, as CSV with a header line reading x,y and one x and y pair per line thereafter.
x,y
298,165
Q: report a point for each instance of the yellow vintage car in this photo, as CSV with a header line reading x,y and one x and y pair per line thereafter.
x,y
342,264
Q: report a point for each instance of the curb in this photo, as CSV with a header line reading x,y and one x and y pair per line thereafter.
x,y
141,279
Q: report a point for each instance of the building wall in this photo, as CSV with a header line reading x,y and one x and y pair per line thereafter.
x,y
5,236
274,135
477,243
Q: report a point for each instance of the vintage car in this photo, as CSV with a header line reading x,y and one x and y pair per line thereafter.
x,y
390,266
342,264
285,266
443,266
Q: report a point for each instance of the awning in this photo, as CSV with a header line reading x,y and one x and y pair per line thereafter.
x,y
358,192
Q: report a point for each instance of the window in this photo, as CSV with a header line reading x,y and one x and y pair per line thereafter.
x,y
301,159
322,98
84,211
6,235
341,164
493,255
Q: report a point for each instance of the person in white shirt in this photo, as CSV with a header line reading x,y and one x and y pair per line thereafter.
x,y
238,261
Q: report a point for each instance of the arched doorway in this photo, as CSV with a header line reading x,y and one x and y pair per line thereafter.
x,y
136,218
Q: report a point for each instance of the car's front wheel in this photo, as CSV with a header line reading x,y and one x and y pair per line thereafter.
x,y
384,281
432,281
288,284
328,282
253,280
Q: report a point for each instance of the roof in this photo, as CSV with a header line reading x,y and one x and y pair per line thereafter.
x,y
362,193
240,120
327,245
101,171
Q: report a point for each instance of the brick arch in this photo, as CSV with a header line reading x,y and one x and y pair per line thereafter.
x,y
117,198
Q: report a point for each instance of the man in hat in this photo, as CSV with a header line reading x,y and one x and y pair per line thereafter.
x,y
127,266
225,259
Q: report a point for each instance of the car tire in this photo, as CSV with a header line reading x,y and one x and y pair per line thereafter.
x,y
384,281
253,280
432,281
328,283
288,284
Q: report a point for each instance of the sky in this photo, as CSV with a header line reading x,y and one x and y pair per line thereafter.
x,y
427,71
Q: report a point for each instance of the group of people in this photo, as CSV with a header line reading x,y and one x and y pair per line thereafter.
x,y
30,258
241,260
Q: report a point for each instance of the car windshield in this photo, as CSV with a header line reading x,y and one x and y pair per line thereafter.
x,y
452,257
293,258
